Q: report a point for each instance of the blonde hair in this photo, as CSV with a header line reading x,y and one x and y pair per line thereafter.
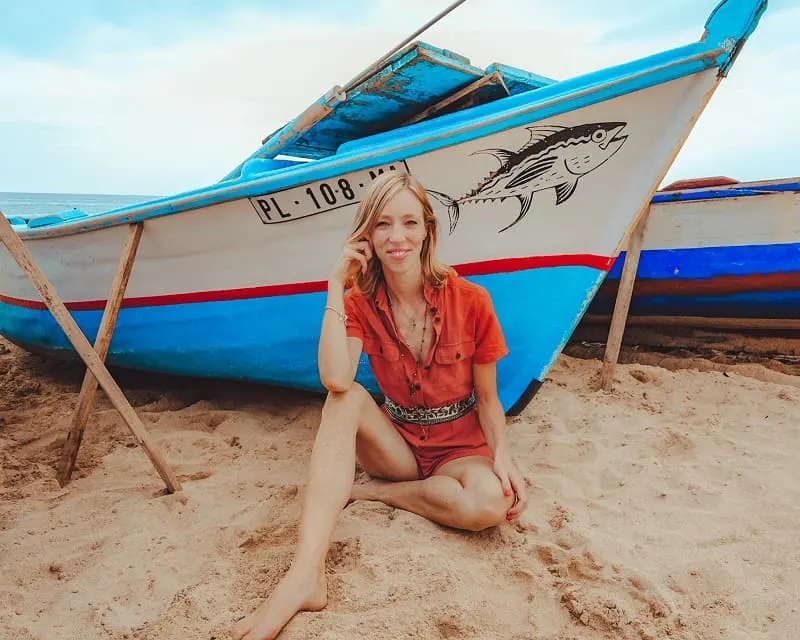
x,y
382,190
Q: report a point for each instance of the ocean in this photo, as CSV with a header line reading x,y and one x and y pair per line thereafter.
x,y
31,205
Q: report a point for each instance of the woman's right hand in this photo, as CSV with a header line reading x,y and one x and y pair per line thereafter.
x,y
353,254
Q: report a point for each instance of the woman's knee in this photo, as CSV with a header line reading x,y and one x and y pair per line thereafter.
x,y
349,402
355,393
487,506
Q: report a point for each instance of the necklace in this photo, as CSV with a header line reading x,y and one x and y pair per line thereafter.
x,y
422,340
412,325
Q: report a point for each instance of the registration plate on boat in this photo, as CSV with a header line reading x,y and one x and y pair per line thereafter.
x,y
318,197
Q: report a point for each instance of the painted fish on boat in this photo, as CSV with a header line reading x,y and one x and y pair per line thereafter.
x,y
555,157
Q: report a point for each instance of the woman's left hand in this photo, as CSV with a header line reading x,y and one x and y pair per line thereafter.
x,y
512,481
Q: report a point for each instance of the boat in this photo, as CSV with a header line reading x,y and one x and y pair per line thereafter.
x,y
717,253
537,182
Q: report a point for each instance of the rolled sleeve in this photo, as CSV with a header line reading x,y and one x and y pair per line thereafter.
x,y
490,344
354,326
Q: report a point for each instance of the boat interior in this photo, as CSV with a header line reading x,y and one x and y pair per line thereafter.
x,y
420,82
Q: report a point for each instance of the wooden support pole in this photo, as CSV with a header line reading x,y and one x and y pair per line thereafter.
x,y
84,349
101,346
623,302
628,279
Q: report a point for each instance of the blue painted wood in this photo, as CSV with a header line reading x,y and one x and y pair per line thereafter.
x,y
58,218
407,86
198,339
713,282
733,19
518,80
413,79
712,262
756,304
728,191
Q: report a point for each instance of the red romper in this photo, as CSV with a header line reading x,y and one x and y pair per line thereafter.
x,y
466,332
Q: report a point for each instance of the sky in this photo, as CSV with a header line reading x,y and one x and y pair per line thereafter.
x,y
154,98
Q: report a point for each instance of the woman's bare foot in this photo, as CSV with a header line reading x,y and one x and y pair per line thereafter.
x,y
297,591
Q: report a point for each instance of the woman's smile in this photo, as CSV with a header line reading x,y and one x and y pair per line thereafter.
x,y
398,254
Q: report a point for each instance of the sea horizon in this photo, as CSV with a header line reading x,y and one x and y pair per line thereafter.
x,y
26,204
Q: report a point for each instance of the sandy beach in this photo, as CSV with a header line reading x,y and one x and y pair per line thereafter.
x,y
667,508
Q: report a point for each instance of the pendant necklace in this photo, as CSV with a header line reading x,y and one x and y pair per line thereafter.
x,y
412,322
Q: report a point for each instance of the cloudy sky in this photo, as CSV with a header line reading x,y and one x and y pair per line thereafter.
x,y
151,97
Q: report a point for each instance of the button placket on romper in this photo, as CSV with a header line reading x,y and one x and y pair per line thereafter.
x,y
410,366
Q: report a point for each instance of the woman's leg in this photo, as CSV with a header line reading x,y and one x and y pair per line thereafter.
x,y
464,493
350,420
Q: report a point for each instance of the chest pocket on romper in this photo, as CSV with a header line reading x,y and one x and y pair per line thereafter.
x,y
455,352
374,347
453,377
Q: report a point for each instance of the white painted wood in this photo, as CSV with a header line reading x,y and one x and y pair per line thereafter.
x,y
771,218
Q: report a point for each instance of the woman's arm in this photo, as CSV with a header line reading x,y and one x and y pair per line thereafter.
x,y
337,354
490,410
493,423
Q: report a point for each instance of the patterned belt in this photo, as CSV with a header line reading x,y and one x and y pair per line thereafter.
x,y
430,415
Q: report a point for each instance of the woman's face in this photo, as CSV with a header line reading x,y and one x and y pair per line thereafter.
x,y
399,233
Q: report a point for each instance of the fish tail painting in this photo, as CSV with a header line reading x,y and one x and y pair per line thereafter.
x,y
554,157
452,207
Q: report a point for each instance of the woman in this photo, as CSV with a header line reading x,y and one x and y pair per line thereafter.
x,y
438,443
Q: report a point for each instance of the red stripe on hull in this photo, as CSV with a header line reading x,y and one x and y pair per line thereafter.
x,y
504,265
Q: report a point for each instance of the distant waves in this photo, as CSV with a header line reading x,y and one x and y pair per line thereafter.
x,y
31,205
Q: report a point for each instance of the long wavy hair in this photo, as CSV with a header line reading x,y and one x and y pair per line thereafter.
x,y
382,190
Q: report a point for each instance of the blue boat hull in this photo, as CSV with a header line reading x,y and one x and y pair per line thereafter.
x,y
753,281
274,339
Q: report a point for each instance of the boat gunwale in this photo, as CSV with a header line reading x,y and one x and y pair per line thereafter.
x,y
742,190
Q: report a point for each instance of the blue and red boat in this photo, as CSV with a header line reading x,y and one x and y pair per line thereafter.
x,y
716,249
537,184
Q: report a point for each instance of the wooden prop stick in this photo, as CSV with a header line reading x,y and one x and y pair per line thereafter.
x,y
101,346
48,293
625,290
623,302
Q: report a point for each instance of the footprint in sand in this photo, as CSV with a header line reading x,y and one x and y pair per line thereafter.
x,y
644,377
280,532
167,402
210,420
673,443
550,556
197,475
454,625
344,555
559,518
614,602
